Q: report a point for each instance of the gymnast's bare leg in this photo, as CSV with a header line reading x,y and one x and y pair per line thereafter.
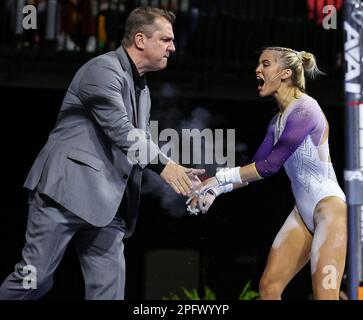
x,y
329,248
290,251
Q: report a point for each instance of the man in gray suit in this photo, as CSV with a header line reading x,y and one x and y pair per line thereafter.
x,y
85,183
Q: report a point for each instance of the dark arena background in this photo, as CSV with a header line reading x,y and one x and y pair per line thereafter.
x,y
209,83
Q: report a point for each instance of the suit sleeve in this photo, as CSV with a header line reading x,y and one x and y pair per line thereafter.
x,y
100,92
158,164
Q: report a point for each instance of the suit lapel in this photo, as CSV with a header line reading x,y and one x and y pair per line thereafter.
x,y
124,60
134,107
143,110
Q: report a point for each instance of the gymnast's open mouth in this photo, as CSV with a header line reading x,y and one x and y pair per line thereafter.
x,y
260,82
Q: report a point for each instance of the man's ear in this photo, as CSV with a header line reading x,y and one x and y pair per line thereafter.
x,y
139,40
286,74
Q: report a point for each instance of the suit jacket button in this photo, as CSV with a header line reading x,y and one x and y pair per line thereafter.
x,y
125,176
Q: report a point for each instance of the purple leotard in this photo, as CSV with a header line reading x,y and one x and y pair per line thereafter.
x,y
304,118
293,140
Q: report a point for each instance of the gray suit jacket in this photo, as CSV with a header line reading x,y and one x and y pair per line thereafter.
x,y
84,165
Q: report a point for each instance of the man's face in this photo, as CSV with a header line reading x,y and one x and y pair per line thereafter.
x,y
159,47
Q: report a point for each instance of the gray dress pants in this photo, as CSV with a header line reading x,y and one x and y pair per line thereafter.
x,y
50,227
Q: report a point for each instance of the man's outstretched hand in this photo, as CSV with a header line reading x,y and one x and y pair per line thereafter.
x,y
182,180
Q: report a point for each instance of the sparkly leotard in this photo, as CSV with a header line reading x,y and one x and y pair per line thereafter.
x,y
293,140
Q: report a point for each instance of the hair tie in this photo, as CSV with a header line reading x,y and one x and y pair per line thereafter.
x,y
300,55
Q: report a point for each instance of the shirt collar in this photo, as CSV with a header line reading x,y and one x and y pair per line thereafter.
x,y
139,80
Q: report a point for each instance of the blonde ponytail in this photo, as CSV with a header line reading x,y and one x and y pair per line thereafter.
x,y
308,61
300,62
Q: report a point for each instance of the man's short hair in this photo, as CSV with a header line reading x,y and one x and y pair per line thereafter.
x,y
142,20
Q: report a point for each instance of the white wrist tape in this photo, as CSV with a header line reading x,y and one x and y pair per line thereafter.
x,y
218,190
226,188
229,175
